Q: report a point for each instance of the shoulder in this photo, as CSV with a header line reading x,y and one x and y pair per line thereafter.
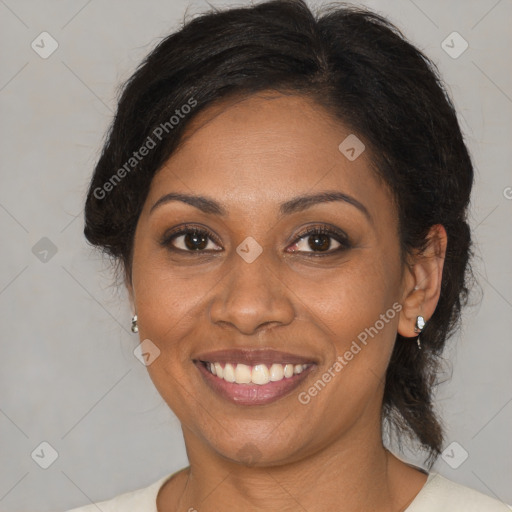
x,y
442,495
142,500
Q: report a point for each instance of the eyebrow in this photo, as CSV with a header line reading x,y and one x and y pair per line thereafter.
x,y
296,204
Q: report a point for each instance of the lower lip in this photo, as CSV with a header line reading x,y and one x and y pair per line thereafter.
x,y
252,394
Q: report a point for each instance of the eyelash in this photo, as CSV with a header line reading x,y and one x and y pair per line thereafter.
x,y
337,235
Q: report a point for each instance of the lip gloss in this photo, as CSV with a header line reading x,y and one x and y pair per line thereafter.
x,y
251,394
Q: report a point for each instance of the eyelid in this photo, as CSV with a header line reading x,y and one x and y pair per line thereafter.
x,y
326,229
333,232
184,229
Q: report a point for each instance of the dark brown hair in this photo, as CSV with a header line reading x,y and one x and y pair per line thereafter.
x,y
366,74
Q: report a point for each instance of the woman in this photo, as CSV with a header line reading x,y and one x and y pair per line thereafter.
x,y
286,196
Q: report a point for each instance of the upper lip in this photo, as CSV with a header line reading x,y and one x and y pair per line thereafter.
x,y
251,357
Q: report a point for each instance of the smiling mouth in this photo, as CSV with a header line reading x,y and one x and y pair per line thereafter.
x,y
256,384
259,374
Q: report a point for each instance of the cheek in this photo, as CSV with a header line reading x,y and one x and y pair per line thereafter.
x,y
166,300
168,308
343,300
358,312
356,307
166,295
353,296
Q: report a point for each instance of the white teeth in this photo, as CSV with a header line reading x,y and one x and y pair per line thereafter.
x,y
229,373
218,370
259,374
276,372
242,374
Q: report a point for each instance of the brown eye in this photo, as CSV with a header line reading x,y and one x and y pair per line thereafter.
x,y
195,241
320,241
190,240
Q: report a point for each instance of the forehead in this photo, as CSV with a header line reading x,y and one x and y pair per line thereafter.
x,y
266,148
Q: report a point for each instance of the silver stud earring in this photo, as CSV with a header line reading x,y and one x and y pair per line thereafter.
x,y
135,327
419,326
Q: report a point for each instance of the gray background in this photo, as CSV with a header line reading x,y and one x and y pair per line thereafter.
x,y
68,373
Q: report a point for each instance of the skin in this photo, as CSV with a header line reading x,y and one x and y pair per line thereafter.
x,y
250,155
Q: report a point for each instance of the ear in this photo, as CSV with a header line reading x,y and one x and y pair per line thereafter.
x,y
129,288
422,281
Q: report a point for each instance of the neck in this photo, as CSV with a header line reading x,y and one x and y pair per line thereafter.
x,y
353,473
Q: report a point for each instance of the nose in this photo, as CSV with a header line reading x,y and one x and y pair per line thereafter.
x,y
252,297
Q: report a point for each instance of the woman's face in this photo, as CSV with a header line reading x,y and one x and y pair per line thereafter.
x,y
258,290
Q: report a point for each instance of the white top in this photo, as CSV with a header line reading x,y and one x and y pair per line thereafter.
x,y
437,495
